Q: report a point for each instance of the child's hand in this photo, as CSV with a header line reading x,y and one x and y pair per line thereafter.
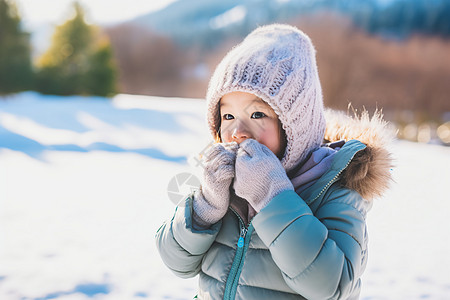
x,y
259,174
212,200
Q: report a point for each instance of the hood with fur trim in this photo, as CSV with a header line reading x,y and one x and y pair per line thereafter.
x,y
369,172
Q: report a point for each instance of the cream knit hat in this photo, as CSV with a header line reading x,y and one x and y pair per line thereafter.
x,y
276,63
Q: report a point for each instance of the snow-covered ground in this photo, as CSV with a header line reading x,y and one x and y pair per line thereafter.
x,y
83,189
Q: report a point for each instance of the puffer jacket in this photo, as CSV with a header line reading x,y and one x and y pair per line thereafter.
x,y
311,245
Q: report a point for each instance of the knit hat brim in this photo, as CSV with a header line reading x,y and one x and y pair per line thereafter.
x,y
277,64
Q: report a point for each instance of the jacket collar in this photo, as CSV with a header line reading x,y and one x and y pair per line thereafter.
x,y
340,160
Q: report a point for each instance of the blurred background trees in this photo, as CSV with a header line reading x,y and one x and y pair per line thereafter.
x,y
15,51
149,63
78,61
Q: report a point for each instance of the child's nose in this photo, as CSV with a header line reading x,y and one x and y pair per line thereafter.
x,y
240,133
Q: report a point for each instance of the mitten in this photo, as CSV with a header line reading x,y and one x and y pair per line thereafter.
x,y
211,201
259,174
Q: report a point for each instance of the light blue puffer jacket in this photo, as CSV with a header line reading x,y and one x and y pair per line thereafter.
x,y
307,246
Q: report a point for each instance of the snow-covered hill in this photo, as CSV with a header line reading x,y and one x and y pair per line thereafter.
x,y
83,189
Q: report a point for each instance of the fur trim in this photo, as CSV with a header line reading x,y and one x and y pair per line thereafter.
x,y
369,173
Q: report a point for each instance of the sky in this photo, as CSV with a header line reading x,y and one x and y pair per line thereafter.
x,y
102,12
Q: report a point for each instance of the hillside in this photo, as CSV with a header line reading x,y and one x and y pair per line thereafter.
x,y
208,22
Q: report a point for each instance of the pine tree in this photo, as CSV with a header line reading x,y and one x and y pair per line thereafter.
x,y
15,59
101,76
72,60
62,66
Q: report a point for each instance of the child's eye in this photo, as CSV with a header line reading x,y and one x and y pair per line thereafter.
x,y
228,117
258,115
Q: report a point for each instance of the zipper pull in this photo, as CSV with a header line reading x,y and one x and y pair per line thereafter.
x,y
240,243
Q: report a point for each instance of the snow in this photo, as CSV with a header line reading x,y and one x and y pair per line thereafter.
x,y
83,189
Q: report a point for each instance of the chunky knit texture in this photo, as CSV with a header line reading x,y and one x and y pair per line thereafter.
x,y
276,63
212,200
259,174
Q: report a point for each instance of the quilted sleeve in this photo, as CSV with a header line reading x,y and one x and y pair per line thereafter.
x,y
180,246
321,256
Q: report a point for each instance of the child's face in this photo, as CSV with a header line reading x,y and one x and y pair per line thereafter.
x,y
244,116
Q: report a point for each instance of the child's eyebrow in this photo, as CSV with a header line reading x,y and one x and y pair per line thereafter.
x,y
259,101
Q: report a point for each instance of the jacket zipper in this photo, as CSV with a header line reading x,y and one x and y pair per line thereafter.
x,y
238,261
335,177
241,239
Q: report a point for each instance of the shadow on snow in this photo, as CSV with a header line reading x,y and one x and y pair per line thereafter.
x,y
88,289
34,149
58,112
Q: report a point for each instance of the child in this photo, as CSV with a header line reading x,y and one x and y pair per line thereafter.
x,y
278,216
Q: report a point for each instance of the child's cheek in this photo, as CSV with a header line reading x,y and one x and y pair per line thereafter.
x,y
269,138
225,136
